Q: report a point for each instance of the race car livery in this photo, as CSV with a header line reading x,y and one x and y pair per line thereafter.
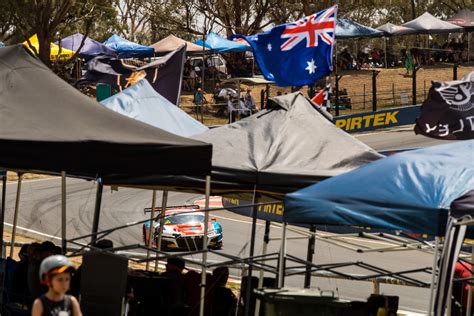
x,y
184,229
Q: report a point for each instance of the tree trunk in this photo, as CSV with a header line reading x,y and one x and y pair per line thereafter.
x,y
44,40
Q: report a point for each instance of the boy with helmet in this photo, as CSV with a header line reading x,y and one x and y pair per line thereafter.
x,y
55,272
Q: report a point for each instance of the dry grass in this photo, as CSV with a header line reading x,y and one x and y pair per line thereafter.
x,y
391,83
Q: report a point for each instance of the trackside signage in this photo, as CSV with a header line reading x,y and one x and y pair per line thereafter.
x,y
369,121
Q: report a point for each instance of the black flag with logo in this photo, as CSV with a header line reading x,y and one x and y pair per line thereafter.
x,y
448,112
164,73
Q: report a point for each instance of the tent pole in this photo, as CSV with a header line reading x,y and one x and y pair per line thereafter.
x,y
151,228
2,212
468,47
248,289
15,216
98,201
281,267
469,293
63,212
309,256
266,240
433,274
204,247
385,48
164,202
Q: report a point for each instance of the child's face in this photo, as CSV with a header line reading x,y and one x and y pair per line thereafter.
x,y
60,282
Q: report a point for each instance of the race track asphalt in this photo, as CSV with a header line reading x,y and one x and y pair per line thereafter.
x,y
40,214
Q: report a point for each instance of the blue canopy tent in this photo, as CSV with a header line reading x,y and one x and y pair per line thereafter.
x,y
127,49
141,102
411,191
221,45
89,50
349,29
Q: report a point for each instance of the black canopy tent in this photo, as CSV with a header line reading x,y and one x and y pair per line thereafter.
x,y
47,126
465,19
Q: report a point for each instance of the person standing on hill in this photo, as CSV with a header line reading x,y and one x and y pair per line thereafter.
x,y
409,62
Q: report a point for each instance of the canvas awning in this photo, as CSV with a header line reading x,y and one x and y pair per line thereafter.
x,y
128,49
411,191
221,45
55,49
141,102
171,43
390,29
349,29
49,126
464,18
428,24
90,49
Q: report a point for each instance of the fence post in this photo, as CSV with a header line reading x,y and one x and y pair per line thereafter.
x,y
364,96
393,93
374,90
424,89
413,86
336,103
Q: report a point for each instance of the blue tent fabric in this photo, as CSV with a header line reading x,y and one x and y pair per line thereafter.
x,y
222,45
411,191
2,45
90,49
349,29
127,49
143,103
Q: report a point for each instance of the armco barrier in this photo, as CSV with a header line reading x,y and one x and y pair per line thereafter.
x,y
369,121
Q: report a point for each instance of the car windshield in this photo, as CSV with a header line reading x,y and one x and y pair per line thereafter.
x,y
176,219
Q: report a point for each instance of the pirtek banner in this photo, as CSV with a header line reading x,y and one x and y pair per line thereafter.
x,y
369,121
448,112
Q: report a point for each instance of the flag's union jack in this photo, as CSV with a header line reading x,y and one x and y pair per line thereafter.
x,y
310,29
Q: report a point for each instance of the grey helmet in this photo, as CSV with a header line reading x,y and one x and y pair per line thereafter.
x,y
59,263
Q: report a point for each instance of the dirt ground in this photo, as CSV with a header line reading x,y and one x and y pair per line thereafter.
x,y
392,86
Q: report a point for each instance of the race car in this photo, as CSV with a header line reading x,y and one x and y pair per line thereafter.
x,y
184,229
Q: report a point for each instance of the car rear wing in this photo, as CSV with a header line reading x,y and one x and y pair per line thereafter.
x,y
158,209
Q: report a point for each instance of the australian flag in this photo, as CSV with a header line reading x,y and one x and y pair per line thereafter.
x,y
299,53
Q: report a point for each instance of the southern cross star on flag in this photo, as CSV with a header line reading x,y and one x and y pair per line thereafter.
x,y
298,53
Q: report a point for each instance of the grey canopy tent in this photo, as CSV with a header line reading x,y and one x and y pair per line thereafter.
x,y
349,29
289,146
428,24
390,29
